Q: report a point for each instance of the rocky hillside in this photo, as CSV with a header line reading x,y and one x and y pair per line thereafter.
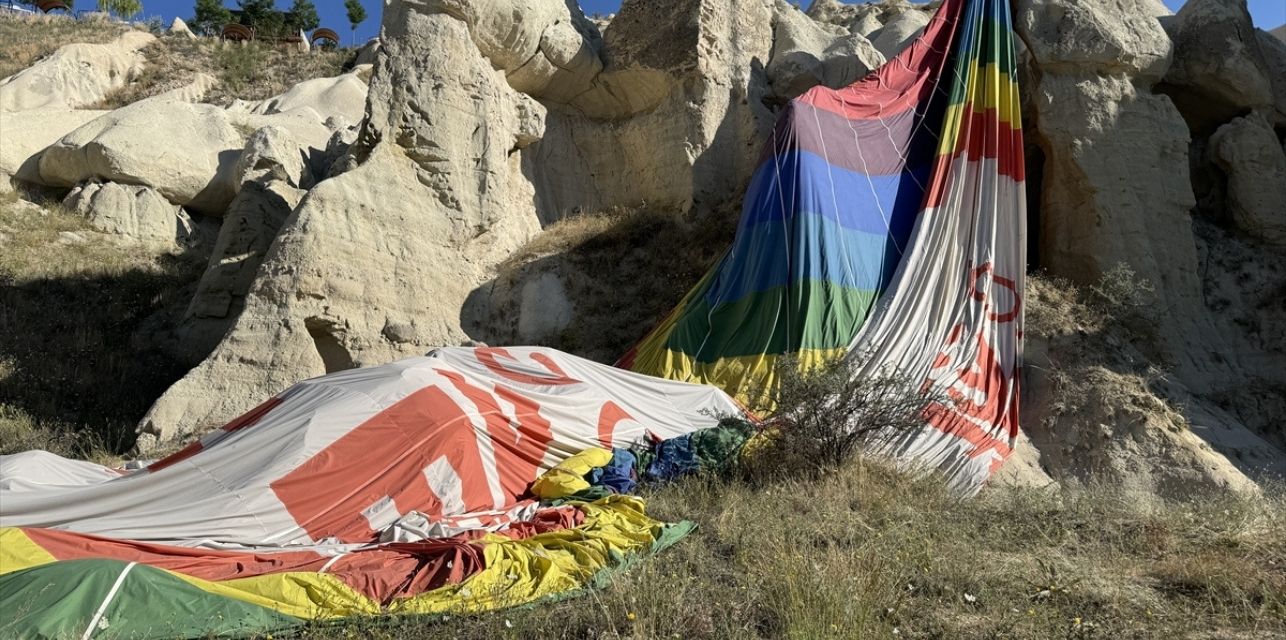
x,y
516,172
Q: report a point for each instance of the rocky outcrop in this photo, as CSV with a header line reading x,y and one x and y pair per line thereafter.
x,y
27,133
1249,153
249,227
391,247
1116,190
138,214
180,28
76,75
190,152
899,31
184,151
806,54
1219,67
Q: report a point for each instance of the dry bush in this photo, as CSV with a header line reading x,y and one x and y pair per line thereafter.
x,y
24,40
821,417
251,71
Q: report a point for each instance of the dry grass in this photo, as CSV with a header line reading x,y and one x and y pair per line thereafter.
x,y
869,553
73,376
26,39
253,71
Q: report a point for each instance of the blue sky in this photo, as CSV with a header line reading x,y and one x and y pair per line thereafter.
x,y
1266,13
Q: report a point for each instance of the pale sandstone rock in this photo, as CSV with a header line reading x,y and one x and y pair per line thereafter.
x,y
1219,70
76,75
407,234
343,96
272,153
27,133
368,53
1116,190
806,54
137,214
1107,36
184,151
1248,151
544,309
249,227
180,28
899,32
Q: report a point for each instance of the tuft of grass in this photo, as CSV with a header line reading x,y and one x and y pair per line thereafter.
x,y
250,71
73,377
25,39
869,552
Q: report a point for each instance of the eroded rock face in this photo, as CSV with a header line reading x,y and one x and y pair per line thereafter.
x,y
1219,69
1116,190
1249,153
76,75
807,54
27,133
899,32
397,242
184,151
252,221
139,214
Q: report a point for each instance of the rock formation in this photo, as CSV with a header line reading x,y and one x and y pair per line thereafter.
x,y
75,76
360,225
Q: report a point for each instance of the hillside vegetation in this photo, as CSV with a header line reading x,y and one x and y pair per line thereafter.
x,y
250,71
26,39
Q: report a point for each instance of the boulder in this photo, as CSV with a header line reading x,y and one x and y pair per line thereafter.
x,y
398,241
27,133
249,227
1248,152
676,118
1274,52
806,54
180,29
1219,70
367,53
1096,36
895,35
272,153
76,75
138,214
184,151
343,95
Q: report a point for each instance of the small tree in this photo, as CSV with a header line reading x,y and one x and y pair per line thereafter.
x,y
121,8
356,16
302,16
210,17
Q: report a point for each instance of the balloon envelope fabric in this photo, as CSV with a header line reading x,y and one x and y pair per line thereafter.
x,y
885,224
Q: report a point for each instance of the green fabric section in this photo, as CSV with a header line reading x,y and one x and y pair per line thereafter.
x,y
717,446
58,600
831,315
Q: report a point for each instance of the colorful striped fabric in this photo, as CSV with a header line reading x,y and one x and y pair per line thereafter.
x,y
56,584
399,488
881,216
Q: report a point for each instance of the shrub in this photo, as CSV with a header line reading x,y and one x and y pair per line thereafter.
x,y
824,415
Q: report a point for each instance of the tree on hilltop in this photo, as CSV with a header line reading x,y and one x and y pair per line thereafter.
x,y
356,15
302,16
210,17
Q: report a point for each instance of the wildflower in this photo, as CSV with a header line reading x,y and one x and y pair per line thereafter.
x,y
630,616
1076,622
970,598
